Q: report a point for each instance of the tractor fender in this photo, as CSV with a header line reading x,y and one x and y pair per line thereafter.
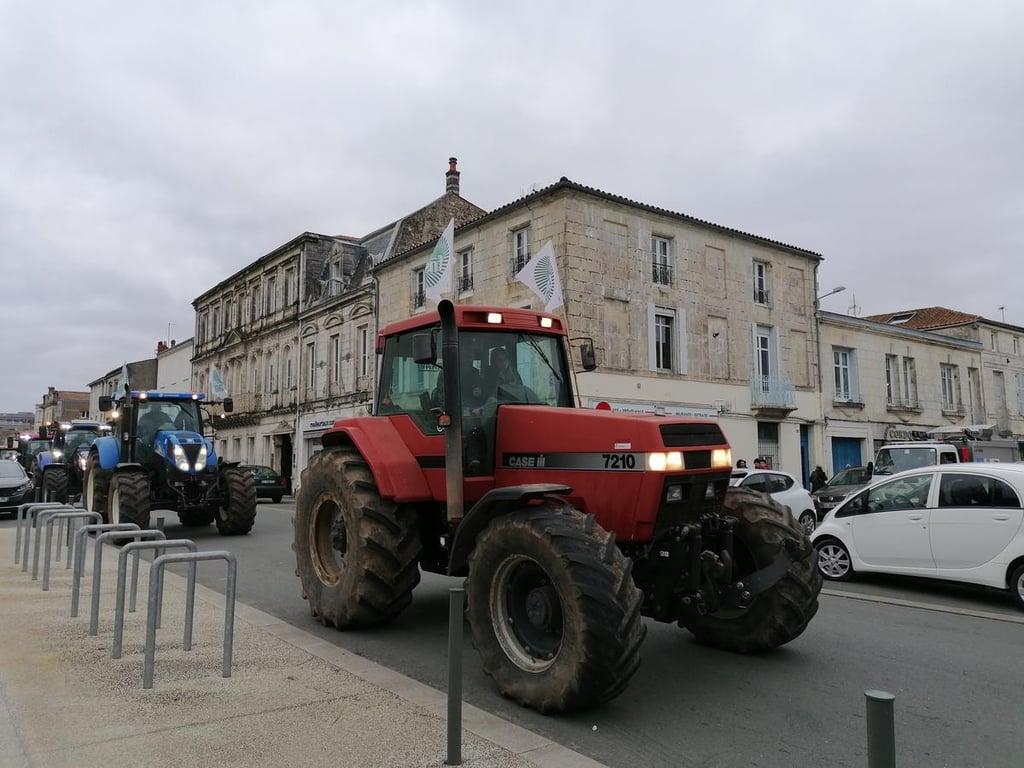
x,y
106,448
492,504
396,471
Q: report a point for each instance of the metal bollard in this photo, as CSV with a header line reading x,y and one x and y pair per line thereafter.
x,y
122,563
881,729
456,601
25,512
97,571
79,558
155,597
41,517
60,517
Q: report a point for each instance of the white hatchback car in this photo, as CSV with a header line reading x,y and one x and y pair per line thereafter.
x,y
782,487
959,522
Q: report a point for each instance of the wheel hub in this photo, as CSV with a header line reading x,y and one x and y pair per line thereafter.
x,y
539,609
526,613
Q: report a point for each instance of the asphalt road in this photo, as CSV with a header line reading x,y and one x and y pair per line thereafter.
x,y
950,654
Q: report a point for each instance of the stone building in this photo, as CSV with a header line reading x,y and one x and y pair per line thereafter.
x,y
884,382
61,405
174,366
142,374
688,317
293,334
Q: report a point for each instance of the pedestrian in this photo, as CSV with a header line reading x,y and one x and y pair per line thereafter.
x,y
741,464
818,478
760,463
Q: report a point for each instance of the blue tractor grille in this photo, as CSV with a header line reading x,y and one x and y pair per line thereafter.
x,y
191,453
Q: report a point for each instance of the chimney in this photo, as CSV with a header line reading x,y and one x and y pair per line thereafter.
x,y
451,179
160,347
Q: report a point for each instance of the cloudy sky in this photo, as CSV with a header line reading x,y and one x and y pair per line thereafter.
x,y
150,149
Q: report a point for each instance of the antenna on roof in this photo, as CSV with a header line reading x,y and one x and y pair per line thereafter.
x,y
854,308
1002,312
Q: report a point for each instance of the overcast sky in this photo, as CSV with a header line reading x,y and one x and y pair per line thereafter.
x,y
150,149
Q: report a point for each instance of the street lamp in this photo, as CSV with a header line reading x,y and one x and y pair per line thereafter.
x,y
837,289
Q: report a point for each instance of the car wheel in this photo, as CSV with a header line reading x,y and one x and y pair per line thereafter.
x,y
808,521
1017,585
834,560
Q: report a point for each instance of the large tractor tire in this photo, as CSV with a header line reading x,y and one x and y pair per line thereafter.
x,y
356,554
553,609
237,513
128,501
197,518
95,486
55,485
780,613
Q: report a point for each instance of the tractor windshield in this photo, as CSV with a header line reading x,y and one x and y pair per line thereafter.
x,y
156,415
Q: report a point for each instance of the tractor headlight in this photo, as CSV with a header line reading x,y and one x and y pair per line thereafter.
x,y
201,459
57,453
665,462
180,460
81,461
721,458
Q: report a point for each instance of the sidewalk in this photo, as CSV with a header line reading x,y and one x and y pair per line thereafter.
x,y
292,698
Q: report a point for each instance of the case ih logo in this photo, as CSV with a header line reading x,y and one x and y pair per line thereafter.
x,y
525,460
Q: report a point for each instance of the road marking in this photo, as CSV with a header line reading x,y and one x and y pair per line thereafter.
x,y
924,606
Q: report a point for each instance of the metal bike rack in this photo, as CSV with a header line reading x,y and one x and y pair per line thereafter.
x,y
97,569
156,596
60,517
122,568
79,558
41,517
28,512
64,536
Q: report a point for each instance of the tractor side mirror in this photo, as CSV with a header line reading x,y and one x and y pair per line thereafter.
x,y
106,403
424,349
229,405
587,357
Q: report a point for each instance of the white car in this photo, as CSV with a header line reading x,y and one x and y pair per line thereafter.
x,y
782,487
959,522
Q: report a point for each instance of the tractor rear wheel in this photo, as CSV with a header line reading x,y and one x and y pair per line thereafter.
x,y
55,484
197,518
356,554
95,486
129,499
780,613
553,609
237,513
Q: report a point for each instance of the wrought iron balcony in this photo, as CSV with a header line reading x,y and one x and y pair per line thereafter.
x,y
662,274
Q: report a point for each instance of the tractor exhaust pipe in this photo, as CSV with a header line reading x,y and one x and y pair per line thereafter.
x,y
453,407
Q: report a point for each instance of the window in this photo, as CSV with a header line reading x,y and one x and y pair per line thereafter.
x,y
663,337
289,372
204,322
216,327
335,353
892,380
764,355
418,291
964,490
950,387
290,294
311,366
466,275
520,249
271,295
229,314
844,375
910,381
271,377
661,263
901,317
994,340
363,340
761,292
254,302
1020,393
1016,345
335,278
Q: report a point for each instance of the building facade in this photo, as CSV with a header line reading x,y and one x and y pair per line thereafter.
x,y
174,366
687,317
142,374
61,405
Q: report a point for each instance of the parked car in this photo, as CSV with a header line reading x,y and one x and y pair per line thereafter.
x,y
269,483
16,487
958,522
840,485
782,487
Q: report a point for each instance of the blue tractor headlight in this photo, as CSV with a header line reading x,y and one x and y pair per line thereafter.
x,y
201,459
180,460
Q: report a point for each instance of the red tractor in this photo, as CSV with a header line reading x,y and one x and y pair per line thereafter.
x,y
569,524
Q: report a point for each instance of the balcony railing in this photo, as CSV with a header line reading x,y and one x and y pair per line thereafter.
x,y
465,283
763,296
772,392
903,404
949,409
662,274
419,298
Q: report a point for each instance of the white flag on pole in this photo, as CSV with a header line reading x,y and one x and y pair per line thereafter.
x,y
123,385
437,275
540,275
217,387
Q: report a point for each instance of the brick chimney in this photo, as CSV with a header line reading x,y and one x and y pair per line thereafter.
x,y
161,347
451,179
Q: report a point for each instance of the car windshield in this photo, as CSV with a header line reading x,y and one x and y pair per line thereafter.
x,y
11,470
263,473
848,476
892,460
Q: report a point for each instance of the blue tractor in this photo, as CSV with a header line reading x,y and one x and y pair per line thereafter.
x,y
60,469
157,457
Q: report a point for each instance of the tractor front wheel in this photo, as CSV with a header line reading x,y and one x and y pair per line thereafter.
x,y
780,613
237,513
553,609
356,554
55,485
129,499
95,486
